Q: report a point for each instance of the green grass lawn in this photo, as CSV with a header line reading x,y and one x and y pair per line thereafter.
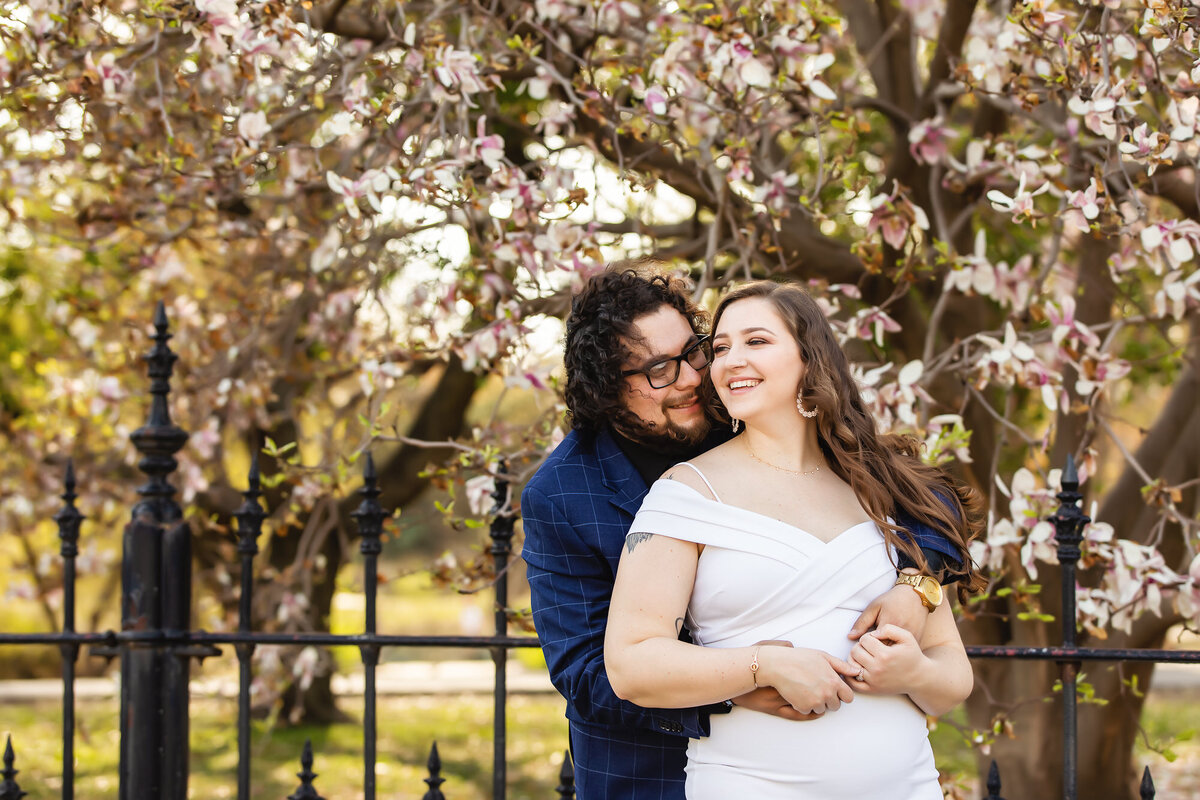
x,y
461,725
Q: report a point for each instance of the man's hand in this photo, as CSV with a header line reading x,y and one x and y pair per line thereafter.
x,y
768,700
899,606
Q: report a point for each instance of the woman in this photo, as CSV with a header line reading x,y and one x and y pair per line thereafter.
x,y
767,548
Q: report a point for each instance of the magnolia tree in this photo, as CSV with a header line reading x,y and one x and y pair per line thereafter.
x,y
365,216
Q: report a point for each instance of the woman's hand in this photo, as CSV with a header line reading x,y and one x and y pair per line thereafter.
x,y
767,699
890,660
812,681
898,606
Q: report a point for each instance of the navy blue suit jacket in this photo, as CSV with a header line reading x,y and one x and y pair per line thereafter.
x,y
577,510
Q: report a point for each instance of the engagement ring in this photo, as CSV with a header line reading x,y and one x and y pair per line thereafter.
x,y
861,676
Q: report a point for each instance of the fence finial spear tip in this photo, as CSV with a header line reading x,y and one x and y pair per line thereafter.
x,y
1070,474
1147,788
993,780
255,476
69,478
9,756
369,474
160,315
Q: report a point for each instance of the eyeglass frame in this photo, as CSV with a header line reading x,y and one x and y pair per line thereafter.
x,y
701,340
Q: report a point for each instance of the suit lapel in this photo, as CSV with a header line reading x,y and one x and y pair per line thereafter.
x,y
620,478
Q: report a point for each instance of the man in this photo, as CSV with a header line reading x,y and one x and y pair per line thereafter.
x,y
635,359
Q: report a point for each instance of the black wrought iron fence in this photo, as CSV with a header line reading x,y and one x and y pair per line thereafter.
x,y
156,642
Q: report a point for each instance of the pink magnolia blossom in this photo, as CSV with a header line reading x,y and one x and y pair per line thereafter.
x,y
206,440
1038,546
537,87
1177,294
871,323
252,127
220,20
554,10
479,491
488,148
926,16
611,15
656,100
292,606
894,214
774,194
1020,205
1085,206
112,79
811,75
368,185
456,73
929,140
1066,327
304,669
1098,370
1183,115
1013,284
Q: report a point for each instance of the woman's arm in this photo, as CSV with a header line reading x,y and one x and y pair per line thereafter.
x,y
935,672
649,666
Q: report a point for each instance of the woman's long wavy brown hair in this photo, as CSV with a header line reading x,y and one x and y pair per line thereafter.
x,y
884,470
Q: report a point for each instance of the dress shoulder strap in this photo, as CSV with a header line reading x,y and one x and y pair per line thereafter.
x,y
696,469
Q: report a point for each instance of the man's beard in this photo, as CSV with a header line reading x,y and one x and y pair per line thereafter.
x,y
665,437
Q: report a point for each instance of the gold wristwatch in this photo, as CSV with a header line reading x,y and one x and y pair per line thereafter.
x,y
927,588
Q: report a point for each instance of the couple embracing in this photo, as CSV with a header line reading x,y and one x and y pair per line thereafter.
x,y
736,581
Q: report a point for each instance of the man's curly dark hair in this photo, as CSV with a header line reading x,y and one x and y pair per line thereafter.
x,y
600,323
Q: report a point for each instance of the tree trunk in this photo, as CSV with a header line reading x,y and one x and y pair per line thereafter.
x,y
441,418
1030,763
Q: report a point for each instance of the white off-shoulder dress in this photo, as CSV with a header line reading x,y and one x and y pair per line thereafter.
x,y
759,579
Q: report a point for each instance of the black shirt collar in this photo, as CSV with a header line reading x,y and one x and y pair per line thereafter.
x,y
651,463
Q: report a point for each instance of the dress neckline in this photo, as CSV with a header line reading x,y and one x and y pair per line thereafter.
x,y
769,518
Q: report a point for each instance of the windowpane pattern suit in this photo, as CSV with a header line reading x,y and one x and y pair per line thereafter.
x,y
577,510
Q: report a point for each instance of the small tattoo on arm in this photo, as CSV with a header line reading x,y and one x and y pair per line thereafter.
x,y
634,539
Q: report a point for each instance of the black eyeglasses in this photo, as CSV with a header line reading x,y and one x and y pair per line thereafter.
x,y
662,374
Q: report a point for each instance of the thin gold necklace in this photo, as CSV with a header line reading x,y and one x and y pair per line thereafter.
x,y
802,474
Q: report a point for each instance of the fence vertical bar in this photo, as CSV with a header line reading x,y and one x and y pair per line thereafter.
x,y
249,522
435,780
993,782
306,790
369,516
9,790
501,535
69,520
1068,526
566,778
154,729
1146,789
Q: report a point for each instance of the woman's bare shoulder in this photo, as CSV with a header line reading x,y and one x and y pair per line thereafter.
x,y
687,475
713,465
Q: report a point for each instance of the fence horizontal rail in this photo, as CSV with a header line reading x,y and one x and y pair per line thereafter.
x,y
163,639
1085,654
113,638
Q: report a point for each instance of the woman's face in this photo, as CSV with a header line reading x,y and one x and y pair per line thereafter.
x,y
756,366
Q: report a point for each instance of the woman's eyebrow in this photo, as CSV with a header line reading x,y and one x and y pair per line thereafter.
x,y
745,331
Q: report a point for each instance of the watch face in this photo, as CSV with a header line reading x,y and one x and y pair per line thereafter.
x,y
932,591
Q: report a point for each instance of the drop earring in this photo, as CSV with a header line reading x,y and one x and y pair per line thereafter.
x,y
737,423
800,407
